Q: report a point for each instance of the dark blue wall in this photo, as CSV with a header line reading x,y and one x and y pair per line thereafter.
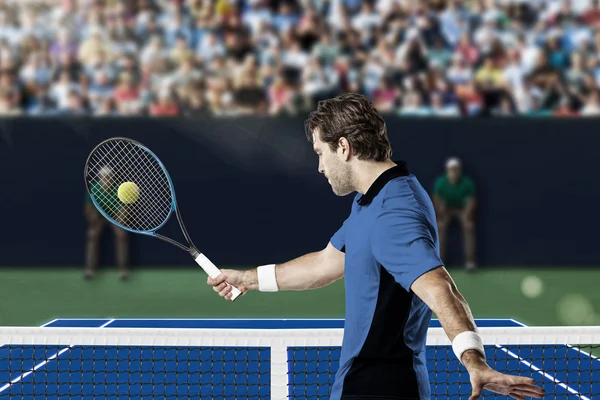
x,y
250,193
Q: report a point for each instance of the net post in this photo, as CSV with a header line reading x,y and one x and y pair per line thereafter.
x,y
279,369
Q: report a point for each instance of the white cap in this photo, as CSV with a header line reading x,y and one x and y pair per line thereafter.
x,y
105,171
453,162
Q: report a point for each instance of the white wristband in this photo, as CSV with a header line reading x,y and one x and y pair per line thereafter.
x,y
467,340
267,282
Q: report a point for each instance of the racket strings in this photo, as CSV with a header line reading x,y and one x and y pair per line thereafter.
x,y
138,215
144,214
146,171
154,175
118,161
114,206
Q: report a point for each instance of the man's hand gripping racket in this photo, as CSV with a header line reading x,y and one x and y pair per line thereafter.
x,y
140,195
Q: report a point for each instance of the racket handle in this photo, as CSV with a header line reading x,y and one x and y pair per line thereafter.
x,y
212,271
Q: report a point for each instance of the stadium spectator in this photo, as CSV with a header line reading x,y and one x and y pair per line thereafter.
x,y
592,107
494,57
454,198
126,93
281,97
164,105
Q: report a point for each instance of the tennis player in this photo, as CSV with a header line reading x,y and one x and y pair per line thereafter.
x,y
388,252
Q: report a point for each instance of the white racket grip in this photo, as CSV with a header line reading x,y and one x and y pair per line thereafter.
x,y
212,271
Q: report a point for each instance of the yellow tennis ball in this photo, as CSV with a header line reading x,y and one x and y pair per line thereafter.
x,y
128,192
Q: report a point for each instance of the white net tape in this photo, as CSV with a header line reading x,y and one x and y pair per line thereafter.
x,y
271,364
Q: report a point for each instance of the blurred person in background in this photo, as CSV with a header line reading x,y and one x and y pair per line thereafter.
x,y
59,91
592,107
454,197
181,51
153,50
546,79
8,104
492,85
467,50
75,106
41,103
249,97
459,73
164,105
100,88
505,108
64,45
196,105
105,193
565,108
127,92
317,81
514,78
412,53
492,54
282,97
440,109
470,98
36,71
413,106
106,108
186,73
386,96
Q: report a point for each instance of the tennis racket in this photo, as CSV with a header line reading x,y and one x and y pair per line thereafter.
x,y
132,189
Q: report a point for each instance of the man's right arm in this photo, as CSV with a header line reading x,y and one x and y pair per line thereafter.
x,y
310,271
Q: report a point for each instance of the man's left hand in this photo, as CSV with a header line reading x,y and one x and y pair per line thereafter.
x,y
517,387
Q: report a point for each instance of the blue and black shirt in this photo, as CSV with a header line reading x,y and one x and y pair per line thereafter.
x,y
390,239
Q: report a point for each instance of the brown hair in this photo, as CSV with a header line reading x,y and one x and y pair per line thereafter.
x,y
354,117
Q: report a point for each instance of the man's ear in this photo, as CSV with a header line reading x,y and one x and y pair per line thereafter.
x,y
345,148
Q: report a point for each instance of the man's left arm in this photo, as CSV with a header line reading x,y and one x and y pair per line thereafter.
x,y
437,289
403,244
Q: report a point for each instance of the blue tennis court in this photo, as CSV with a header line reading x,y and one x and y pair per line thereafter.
x,y
238,371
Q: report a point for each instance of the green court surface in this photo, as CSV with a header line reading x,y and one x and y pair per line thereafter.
x,y
565,296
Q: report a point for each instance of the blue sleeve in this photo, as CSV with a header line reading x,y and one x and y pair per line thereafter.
x,y
338,240
403,244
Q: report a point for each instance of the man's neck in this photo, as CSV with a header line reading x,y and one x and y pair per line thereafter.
x,y
367,173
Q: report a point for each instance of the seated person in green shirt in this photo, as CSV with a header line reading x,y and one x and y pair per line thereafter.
x,y
454,197
105,192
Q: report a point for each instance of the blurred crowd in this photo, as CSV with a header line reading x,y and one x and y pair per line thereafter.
x,y
271,57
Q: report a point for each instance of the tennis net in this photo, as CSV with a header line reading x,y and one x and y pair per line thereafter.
x,y
143,363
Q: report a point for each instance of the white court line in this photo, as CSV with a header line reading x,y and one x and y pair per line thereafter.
x,y
593,357
40,365
252,319
516,322
585,353
31,371
79,319
106,324
545,374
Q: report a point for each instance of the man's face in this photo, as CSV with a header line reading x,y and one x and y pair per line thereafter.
x,y
332,165
454,174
